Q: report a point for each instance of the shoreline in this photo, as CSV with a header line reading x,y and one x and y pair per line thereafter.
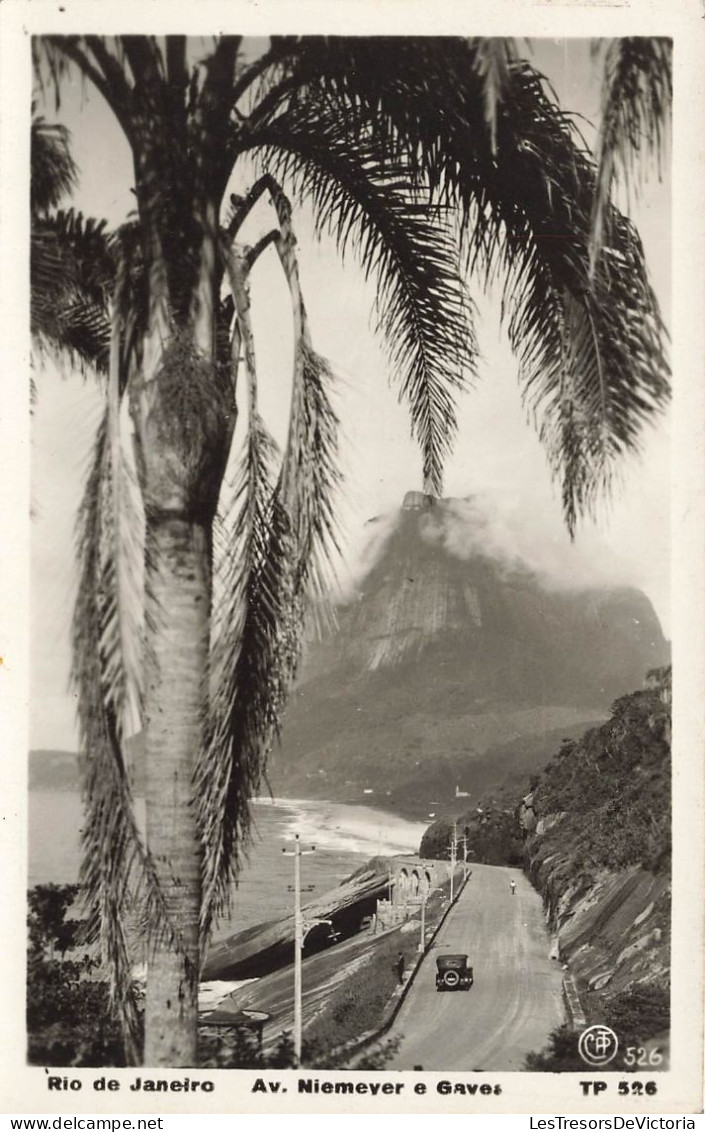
x,y
350,827
346,835
409,812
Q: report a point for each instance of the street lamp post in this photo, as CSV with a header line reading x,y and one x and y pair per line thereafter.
x,y
297,852
424,900
453,858
422,940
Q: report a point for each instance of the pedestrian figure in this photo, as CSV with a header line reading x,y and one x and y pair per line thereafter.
x,y
513,886
400,967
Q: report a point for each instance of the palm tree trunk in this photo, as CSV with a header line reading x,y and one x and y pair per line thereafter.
x,y
179,588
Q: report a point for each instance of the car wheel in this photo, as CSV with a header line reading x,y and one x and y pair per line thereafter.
x,y
451,979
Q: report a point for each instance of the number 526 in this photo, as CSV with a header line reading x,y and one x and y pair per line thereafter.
x,y
637,1055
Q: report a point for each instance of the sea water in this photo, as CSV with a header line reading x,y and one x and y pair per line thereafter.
x,y
344,837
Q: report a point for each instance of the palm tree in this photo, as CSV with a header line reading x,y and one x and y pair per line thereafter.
x,y
428,159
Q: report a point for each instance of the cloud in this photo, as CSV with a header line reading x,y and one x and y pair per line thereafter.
x,y
499,527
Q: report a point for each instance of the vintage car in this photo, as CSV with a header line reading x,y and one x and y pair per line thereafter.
x,y
453,973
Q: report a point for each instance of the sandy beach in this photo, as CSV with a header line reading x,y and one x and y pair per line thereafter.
x,y
348,828
345,836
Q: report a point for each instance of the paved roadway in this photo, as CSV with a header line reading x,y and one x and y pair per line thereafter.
x,y
516,999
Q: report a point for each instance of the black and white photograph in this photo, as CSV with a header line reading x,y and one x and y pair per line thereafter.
x,y
353,628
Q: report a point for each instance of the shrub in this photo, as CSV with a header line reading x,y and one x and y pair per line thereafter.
x,y
639,1013
239,1049
69,1016
560,1056
361,1002
635,1015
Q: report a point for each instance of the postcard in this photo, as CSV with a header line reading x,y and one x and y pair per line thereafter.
x,y
352,571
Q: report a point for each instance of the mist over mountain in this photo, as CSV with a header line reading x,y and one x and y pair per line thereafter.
x,y
454,665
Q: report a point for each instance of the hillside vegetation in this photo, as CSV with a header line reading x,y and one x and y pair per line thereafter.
x,y
594,835
606,796
598,847
489,832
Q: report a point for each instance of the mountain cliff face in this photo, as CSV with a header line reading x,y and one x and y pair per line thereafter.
x,y
452,672
598,829
444,656
597,824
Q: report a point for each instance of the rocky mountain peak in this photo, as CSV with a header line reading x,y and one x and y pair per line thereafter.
x,y
452,661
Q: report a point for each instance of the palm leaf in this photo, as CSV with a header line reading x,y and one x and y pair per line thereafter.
x,y
72,274
277,549
244,698
110,838
599,343
230,764
53,172
524,201
493,59
636,104
365,200
122,896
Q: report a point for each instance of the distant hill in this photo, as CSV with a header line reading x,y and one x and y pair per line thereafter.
x,y
449,670
53,770
59,770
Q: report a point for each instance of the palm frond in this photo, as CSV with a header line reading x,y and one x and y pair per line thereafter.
x,y
123,629
309,475
72,273
278,557
524,201
493,59
637,92
364,199
229,767
597,343
53,172
122,896
414,93
110,839
245,696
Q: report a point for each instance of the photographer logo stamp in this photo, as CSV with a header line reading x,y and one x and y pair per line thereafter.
x,y
598,1045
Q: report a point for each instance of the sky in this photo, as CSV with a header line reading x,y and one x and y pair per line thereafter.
x,y
497,457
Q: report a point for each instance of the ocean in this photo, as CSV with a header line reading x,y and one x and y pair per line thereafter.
x,y
344,837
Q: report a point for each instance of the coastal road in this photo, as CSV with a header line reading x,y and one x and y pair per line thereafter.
x,y
516,999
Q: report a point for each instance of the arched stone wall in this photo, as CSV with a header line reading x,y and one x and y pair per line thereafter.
x,y
414,877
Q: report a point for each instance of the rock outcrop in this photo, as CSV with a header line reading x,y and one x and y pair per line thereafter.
x,y
450,667
333,915
597,829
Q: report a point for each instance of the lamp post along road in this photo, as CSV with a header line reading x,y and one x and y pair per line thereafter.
x,y
453,858
424,900
297,852
422,940
301,929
